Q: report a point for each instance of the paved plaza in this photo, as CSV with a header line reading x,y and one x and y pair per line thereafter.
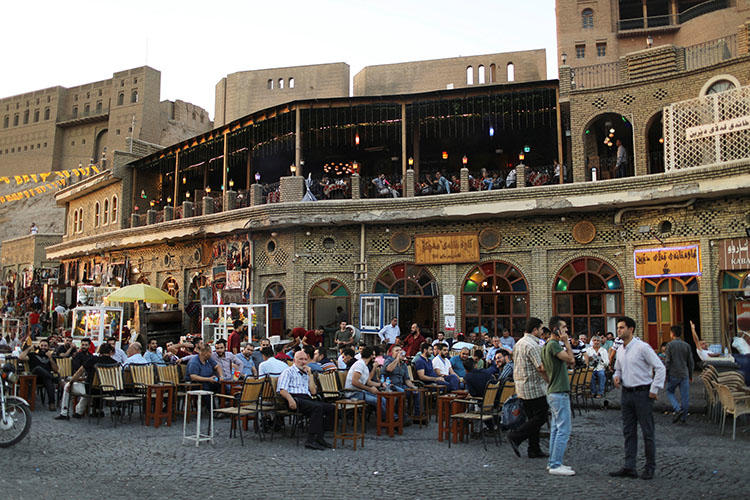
x,y
78,459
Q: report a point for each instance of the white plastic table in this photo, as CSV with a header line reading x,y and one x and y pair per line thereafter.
x,y
199,437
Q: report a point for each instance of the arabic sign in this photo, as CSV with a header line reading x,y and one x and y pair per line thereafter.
x,y
449,248
666,262
718,128
734,254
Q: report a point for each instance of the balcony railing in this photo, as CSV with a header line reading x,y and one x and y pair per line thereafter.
x,y
594,76
712,52
674,20
702,8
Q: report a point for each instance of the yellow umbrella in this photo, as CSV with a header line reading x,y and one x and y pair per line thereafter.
x,y
141,291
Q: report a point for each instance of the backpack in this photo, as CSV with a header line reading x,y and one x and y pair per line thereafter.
x,y
512,415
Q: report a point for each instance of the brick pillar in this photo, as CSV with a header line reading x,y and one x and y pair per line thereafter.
x,y
565,74
187,209
208,205
408,184
150,216
292,189
464,178
356,187
135,220
743,39
520,175
168,213
256,195
231,197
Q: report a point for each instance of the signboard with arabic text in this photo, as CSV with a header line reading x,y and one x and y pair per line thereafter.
x,y
718,128
447,248
734,254
667,262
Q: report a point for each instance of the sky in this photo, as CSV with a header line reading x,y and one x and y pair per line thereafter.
x,y
196,43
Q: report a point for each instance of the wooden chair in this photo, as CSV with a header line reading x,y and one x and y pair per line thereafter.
x,y
64,372
143,376
585,388
487,410
341,374
734,405
170,374
328,386
113,391
246,404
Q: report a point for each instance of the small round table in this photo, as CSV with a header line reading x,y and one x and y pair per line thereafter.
x,y
199,437
393,400
358,409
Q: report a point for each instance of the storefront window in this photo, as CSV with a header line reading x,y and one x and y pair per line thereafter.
x,y
495,296
329,305
587,294
735,303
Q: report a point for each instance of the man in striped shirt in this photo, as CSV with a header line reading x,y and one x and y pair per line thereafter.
x,y
297,386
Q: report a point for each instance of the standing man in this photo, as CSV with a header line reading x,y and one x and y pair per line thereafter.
x,y
680,366
389,332
344,336
635,362
621,164
531,387
413,341
556,360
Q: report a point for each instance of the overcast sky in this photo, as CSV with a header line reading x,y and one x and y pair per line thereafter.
x,y
196,43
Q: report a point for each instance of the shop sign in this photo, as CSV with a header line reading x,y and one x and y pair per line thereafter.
x,y
666,262
449,248
734,254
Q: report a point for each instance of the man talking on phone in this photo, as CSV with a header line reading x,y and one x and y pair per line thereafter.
x,y
396,369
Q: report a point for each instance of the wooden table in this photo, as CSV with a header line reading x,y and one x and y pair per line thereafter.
x,y
393,401
418,399
450,404
358,409
27,389
159,403
433,390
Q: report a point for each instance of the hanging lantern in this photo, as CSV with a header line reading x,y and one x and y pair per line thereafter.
x,y
356,138
464,160
184,180
492,131
445,155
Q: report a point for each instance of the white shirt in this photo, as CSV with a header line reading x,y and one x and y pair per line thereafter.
x,y
442,366
364,374
272,366
389,333
604,362
634,364
463,345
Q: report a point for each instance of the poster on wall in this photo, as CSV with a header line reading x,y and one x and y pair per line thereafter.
x,y
667,262
245,255
449,304
234,280
450,323
233,256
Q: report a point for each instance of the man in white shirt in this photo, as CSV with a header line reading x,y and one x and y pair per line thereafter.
x,y
635,362
701,347
358,384
442,366
389,332
270,366
134,355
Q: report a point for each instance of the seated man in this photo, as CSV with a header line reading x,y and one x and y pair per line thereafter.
x,y
425,371
76,386
204,370
297,386
346,358
442,365
66,349
395,367
507,341
701,347
358,383
475,380
42,364
152,355
80,357
494,347
320,362
441,340
457,362
134,355
460,343
270,366
502,366
228,362
257,355
245,356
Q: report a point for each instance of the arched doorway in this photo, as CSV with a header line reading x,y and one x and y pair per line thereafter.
x,y
667,302
495,295
600,138
655,144
100,145
329,305
587,294
417,291
275,297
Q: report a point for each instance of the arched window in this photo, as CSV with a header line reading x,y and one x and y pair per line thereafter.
x,y
98,106
171,286
46,114
327,297
291,83
720,86
275,297
495,295
86,109
134,96
469,75
511,70
114,209
493,73
587,294
406,280
74,229
587,18
480,74
96,214
15,120
120,98
26,117
281,83
269,84
105,217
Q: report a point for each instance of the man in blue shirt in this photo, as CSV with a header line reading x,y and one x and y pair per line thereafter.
x,y
246,357
502,366
152,356
507,341
423,366
457,362
204,370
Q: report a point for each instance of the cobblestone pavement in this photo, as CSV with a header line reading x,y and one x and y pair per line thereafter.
x,y
82,460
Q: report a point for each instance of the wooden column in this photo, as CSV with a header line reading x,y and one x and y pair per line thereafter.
x,y
176,179
248,170
297,141
224,164
559,136
645,14
403,148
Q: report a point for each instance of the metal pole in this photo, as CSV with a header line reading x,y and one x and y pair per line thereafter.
x,y
559,136
403,148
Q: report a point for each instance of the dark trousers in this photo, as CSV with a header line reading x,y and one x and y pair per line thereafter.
x,y
536,416
47,379
319,413
638,408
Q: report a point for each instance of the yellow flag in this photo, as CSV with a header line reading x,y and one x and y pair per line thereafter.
x,y
19,179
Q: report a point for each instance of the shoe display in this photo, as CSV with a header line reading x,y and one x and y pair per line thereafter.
x,y
560,471
624,473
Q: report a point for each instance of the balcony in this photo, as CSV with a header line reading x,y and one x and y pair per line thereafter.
x,y
667,22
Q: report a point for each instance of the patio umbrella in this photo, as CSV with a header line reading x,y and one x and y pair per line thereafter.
x,y
141,291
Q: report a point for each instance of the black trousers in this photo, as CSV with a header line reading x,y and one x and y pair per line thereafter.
x,y
536,416
320,414
47,379
638,409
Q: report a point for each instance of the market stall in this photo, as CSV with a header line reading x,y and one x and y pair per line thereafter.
x,y
97,323
217,321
